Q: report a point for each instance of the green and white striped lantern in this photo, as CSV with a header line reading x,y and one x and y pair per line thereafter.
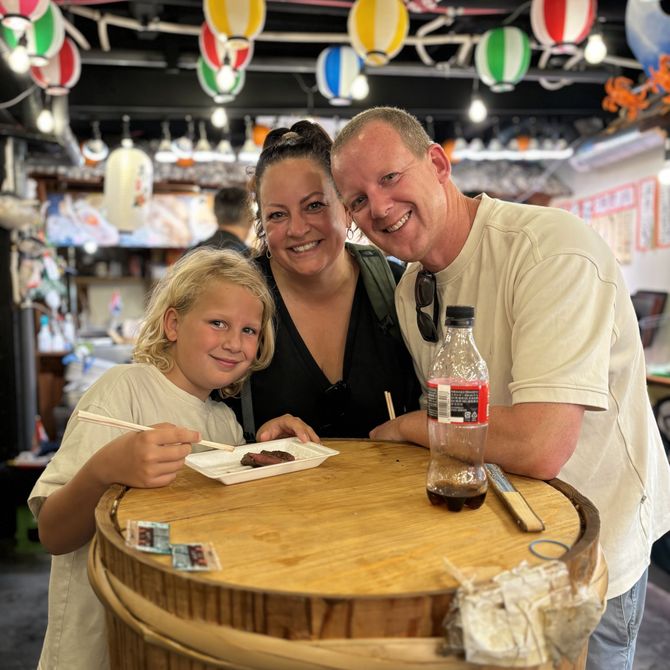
x,y
207,79
44,36
502,58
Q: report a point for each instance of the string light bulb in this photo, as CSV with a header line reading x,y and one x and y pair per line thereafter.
x,y
219,118
477,110
360,87
596,49
45,121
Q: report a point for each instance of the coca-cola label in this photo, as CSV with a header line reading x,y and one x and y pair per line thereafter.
x,y
464,402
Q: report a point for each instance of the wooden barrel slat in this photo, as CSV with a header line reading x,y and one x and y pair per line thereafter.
x,y
349,550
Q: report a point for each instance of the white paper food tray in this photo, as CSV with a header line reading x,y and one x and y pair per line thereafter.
x,y
225,465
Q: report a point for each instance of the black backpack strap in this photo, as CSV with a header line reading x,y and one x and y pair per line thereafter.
x,y
379,284
248,423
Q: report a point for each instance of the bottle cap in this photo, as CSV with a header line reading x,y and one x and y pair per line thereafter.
x,y
460,316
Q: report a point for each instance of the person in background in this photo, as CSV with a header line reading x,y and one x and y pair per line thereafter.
x,y
555,324
208,326
234,218
338,345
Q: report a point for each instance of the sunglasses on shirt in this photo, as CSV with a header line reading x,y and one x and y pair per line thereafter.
x,y
425,294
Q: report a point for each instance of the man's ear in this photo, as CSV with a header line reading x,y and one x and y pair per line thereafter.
x,y
171,324
440,162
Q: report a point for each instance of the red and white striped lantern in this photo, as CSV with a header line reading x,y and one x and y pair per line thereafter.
x,y
217,52
562,24
17,14
62,71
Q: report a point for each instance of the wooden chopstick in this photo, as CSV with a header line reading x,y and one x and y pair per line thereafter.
x,y
90,417
389,405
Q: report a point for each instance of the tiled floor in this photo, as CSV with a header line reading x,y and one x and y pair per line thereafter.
x,y
24,583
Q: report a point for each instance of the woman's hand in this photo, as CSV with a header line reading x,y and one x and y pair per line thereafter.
x,y
286,426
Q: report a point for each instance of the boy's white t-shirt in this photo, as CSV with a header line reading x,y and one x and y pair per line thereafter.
x,y
76,636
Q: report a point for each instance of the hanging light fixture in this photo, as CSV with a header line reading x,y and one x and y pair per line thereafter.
x,y
42,38
164,153
45,121
219,118
236,22
202,152
126,139
224,151
249,152
377,29
562,24
502,57
595,49
17,14
336,70
94,150
61,72
183,146
18,58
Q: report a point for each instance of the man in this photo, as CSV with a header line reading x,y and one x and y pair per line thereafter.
x,y
555,324
234,216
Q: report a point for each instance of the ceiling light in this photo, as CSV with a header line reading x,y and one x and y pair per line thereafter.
x,y
477,111
595,50
219,118
45,121
664,172
359,87
183,146
164,153
18,59
126,140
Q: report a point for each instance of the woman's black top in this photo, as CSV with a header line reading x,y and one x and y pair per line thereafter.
x,y
374,362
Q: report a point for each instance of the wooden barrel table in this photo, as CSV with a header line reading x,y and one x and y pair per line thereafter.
x,y
339,566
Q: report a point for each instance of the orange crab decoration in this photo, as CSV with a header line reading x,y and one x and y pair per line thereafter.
x,y
620,95
659,80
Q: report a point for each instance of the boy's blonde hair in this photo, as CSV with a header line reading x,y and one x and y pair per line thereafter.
x,y
181,287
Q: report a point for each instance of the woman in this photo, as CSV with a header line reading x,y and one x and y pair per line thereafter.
x,y
335,353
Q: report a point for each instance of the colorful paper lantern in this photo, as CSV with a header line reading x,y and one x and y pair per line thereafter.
x,y
127,188
377,29
336,69
562,24
502,58
216,53
237,21
207,79
44,36
17,14
61,72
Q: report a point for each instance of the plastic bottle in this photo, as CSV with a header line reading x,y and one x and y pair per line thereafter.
x,y
69,333
44,335
458,408
57,339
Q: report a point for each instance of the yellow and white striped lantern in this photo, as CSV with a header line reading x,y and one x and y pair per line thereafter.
x,y
377,29
235,21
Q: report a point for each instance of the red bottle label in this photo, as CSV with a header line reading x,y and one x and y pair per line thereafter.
x,y
462,402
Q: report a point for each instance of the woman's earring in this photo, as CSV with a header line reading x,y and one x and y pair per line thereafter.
x,y
350,233
268,253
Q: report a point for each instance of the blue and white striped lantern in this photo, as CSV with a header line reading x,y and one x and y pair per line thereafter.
x,y
336,69
502,58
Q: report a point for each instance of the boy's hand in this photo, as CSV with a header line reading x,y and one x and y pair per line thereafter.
x,y
286,426
148,459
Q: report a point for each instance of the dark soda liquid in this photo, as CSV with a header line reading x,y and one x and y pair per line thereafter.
x,y
456,503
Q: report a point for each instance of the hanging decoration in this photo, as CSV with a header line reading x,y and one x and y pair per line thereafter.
x,y
377,29
502,58
237,21
61,72
647,31
207,79
562,24
336,69
43,37
128,187
216,53
18,14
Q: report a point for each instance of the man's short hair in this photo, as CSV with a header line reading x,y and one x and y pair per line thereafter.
x,y
411,132
232,206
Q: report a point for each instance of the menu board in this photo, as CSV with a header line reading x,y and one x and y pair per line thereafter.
x,y
663,227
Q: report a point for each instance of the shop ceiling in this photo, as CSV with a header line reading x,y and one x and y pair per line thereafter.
x,y
150,74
